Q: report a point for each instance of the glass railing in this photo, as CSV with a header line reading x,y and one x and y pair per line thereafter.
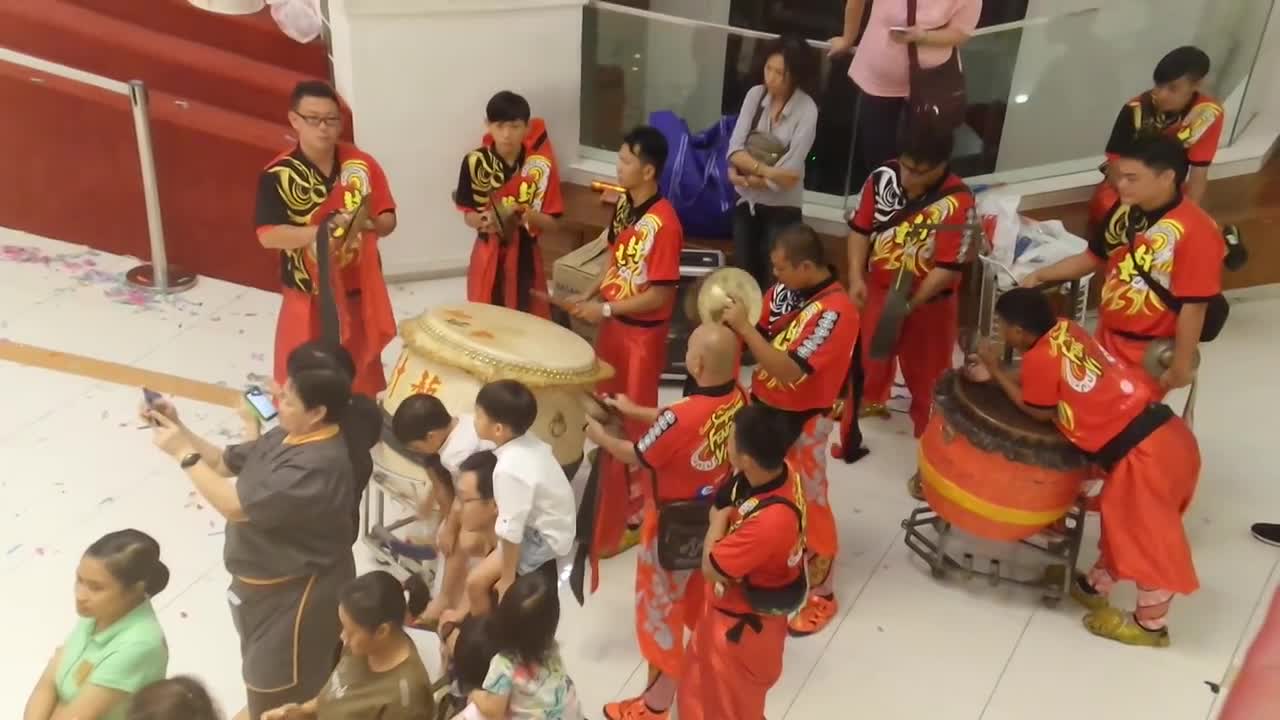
x,y
1043,91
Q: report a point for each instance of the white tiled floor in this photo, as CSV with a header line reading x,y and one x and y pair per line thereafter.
x,y
905,646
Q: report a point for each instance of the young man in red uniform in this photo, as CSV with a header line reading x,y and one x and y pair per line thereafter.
x,y
1157,231
317,180
1150,456
1173,107
887,242
803,344
633,302
752,563
514,168
685,454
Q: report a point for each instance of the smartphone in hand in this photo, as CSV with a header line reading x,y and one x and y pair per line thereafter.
x,y
261,403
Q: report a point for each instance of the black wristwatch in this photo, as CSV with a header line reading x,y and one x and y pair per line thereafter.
x,y
189,460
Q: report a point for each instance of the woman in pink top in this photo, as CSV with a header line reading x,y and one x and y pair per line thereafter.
x,y
880,68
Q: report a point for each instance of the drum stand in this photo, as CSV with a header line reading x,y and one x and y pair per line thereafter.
x,y
380,537
928,536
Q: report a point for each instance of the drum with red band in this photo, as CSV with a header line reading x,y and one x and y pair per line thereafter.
x,y
991,470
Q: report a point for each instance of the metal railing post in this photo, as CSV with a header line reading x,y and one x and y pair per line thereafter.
x,y
157,274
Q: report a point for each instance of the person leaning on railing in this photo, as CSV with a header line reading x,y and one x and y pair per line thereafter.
x,y
771,140
881,69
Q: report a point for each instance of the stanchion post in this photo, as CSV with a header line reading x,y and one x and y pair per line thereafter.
x,y
157,275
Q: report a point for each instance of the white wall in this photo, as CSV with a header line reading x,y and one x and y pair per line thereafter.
x,y
418,74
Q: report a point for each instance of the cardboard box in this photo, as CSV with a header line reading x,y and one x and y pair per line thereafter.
x,y
576,272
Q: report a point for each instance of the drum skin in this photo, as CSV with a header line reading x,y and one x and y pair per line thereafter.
x,y
451,352
988,495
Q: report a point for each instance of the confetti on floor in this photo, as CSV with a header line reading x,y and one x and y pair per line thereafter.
x,y
83,267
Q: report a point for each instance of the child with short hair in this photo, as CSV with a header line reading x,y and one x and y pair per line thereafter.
x,y
537,513
424,426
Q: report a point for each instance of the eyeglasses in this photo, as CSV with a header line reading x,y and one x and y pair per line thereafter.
x,y
321,121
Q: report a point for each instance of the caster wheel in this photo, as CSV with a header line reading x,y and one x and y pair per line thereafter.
x,y
1050,601
938,573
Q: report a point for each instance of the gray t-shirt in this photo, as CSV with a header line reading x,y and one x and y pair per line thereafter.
x,y
297,499
355,692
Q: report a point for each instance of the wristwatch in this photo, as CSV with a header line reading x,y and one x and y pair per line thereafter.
x,y
606,310
189,460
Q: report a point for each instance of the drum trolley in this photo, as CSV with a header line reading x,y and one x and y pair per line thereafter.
x,y
380,537
929,536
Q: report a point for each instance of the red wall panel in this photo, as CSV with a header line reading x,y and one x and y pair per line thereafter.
x,y
74,150
66,33
251,36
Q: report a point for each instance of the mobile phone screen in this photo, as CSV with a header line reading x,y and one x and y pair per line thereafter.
x,y
261,403
151,397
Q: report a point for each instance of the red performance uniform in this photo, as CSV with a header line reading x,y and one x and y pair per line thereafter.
x,y
735,655
817,328
504,270
1180,247
1198,128
293,191
1151,458
686,451
645,243
927,342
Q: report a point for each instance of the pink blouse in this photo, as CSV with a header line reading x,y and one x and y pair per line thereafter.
x,y
880,65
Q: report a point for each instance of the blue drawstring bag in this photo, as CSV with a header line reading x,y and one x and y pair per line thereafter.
x,y
696,177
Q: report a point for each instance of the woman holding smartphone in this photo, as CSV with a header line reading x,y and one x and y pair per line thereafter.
x,y
881,69
288,536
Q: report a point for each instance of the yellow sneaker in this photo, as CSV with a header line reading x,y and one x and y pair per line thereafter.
x,y
1120,626
877,410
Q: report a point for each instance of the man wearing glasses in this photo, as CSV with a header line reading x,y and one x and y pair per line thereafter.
x,y
321,179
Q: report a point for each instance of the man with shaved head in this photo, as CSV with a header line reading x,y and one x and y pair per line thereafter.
x,y
684,456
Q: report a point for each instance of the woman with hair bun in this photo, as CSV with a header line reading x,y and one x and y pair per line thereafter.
x,y
178,698
118,646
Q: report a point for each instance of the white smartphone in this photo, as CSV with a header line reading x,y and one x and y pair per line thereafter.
x,y
261,403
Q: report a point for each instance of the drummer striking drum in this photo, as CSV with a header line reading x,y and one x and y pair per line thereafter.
x,y
685,452
1150,456
803,342
636,297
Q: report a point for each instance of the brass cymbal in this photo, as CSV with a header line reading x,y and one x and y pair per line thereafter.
x,y
716,289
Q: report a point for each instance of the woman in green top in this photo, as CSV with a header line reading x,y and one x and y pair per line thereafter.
x,y
117,647
381,674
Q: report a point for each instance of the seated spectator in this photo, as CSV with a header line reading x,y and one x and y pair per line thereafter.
x,y
178,698
381,674
527,679
118,647
468,649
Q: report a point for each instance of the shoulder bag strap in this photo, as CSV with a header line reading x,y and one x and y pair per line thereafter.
x,y
913,52
915,207
755,121
1165,295
775,500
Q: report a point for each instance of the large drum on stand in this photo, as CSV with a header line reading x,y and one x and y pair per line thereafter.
x,y
991,470
452,351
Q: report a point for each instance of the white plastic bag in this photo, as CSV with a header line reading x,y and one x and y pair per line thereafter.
x,y
299,19
1020,245
998,213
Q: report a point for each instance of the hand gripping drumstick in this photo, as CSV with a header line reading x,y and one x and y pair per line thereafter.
x,y
554,301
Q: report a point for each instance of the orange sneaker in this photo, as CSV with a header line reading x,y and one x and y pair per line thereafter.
x,y
633,709
814,616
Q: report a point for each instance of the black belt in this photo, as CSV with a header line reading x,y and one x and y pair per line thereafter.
x,y
745,620
626,320
1135,336
1152,418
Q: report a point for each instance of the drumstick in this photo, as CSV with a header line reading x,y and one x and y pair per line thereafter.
x,y
548,298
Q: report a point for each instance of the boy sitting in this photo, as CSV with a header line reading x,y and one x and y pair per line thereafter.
x,y
537,514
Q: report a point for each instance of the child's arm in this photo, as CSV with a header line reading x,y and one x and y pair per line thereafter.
x,y
509,553
514,497
490,706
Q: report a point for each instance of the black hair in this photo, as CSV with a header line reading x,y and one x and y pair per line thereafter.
x,y
762,436
482,464
1187,61
525,621
374,599
361,419
323,387
313,89
472,652
649,145
175,698
132,557
800,243
925,141
1160,153
509,402
800,59
1028,309
419,415
507,106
